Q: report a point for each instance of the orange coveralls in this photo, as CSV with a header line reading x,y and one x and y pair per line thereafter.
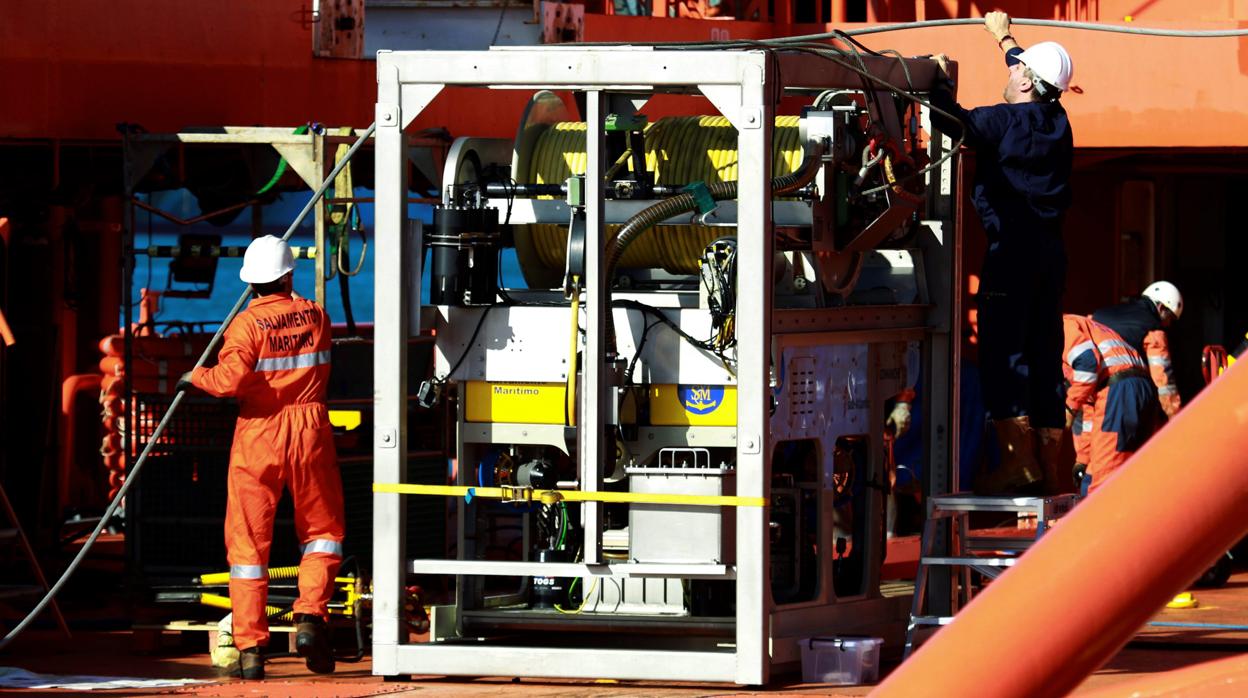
x,y
275,361
1111,395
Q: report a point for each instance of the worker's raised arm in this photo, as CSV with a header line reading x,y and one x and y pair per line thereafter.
x,y
236,361
997,24
981,127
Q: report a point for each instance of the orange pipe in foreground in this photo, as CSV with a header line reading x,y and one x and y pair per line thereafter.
x,y
1083,591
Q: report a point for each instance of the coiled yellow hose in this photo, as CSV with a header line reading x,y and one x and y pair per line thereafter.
x,y
220,578
679,150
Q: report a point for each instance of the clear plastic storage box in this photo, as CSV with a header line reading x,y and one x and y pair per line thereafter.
x,y
844,661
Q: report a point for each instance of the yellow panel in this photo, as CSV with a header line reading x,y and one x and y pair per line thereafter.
x,y
515,403
695,405
345,419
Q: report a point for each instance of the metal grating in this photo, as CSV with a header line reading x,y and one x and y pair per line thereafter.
x,y
803,387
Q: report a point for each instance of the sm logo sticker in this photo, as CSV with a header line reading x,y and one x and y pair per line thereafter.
x,y
701,399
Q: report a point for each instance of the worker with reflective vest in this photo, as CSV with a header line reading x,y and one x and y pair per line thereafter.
x,y
1111,399
275,361
1142,322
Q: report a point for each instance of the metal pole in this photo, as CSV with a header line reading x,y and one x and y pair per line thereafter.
x,y
391,323
318,220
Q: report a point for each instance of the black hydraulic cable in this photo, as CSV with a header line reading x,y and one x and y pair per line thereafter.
x,y
133,475
1052,23
344,286
931,23
838,56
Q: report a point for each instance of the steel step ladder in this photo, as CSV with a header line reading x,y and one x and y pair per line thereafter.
x,y
987,555
15,534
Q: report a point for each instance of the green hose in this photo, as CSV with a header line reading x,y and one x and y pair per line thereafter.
x,y
281,166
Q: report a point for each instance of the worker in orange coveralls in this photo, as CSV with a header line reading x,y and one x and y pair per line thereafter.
x,y
275,361
1111,401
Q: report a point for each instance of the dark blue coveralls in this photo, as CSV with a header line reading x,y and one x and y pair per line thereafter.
x,y
1021,192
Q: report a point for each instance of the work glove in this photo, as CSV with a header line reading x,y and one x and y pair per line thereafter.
x,y
1079,471
1070,418
899,419
184,383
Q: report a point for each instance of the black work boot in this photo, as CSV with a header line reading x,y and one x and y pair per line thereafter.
x,y
251,664
312,643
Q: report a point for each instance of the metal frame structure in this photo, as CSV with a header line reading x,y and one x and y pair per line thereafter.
x,y
745,87
307,154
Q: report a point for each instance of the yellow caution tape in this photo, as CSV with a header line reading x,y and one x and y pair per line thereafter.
x,y
521,494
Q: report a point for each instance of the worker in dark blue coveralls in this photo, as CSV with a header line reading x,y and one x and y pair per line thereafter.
x,y
1021,192
1142,323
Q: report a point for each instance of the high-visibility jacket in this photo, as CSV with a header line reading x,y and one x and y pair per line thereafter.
x,y
275,361
1139,323
275,354
1110,393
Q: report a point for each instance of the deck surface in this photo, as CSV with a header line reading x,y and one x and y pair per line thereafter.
x,y
122,653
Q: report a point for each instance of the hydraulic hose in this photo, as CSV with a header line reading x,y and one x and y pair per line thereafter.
x,y
1054,23
932,23
133,475
684,203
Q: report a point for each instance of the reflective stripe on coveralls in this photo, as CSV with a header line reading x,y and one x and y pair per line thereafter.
x,y
275,360
289,363
323,545
246,571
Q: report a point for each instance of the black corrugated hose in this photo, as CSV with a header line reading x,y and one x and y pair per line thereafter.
x,y
684,203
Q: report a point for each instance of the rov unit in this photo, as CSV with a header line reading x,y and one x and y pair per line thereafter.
x,y
670,441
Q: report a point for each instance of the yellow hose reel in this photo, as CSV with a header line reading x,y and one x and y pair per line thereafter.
x,y
679,150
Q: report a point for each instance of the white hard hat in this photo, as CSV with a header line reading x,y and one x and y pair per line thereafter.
x,y
267,259
1050,62
1165,294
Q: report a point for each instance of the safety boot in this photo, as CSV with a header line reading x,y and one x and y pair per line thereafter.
x,y
312,643
251,664
1050,452
1019,468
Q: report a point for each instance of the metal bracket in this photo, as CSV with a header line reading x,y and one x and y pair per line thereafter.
x,y
516,494
302,159
415,98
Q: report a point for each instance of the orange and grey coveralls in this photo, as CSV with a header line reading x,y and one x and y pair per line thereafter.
x,y
1111,396
275,361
